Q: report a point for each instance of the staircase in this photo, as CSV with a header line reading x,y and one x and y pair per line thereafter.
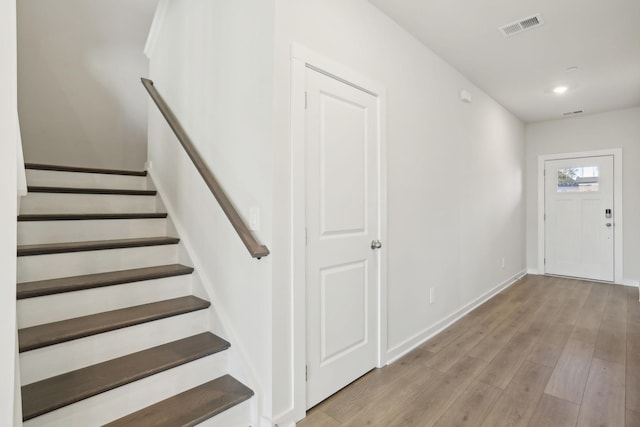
x,y
110,331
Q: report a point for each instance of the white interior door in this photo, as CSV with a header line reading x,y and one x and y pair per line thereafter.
x,y
342,219
579,217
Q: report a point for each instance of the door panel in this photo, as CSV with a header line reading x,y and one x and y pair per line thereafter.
x,y
342,140
343,312
343,154
579,238
566,213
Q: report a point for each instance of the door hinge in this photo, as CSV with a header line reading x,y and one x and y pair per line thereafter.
x,y
306,236
545,217
306,373
305,100
544,261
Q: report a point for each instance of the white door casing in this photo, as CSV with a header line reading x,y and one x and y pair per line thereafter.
x,y
303,58
342,221
618,232
580,217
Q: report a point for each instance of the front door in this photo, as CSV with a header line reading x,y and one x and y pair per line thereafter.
x,y
342,220
579,217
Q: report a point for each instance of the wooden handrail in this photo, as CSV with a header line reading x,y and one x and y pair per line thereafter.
x,y
256,249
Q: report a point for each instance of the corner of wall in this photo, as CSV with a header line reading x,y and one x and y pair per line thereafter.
x,y
22,174
156,28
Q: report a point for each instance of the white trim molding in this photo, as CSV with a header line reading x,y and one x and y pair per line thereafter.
x,y
301,59
629,282
156,27
284,420
617,205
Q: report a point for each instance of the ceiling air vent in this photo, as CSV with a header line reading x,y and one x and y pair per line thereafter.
x,y
521,25
572,113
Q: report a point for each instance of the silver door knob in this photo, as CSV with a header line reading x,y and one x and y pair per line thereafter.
x,y
375,244
608,224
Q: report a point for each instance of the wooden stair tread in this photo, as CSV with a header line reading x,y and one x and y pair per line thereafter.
x,y
91,281
190,407
56,392
47,334
84,190
94,245
79,217
59,168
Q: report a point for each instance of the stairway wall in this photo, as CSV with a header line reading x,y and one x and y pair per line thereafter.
x,y
8,177
80,98
212,62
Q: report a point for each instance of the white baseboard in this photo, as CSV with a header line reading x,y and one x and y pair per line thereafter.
x,y
625,282
285,419
405,347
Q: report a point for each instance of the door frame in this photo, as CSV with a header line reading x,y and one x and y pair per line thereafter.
x,y
301,59
618,247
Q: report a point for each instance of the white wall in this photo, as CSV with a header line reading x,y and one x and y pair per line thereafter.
x,y
80,61
455,176
213,62
615,129
8,177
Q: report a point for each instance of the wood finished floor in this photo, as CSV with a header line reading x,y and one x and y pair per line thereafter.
x,y
546,352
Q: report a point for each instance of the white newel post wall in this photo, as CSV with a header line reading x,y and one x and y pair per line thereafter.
x,y
21,190
21,178
10,413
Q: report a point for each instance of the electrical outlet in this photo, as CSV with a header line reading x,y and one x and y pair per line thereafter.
x,y
432,295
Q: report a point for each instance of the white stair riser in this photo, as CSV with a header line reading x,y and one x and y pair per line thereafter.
x,y
119,402
52,308
43,203
42,267
85,180
238,416
37,232
36,365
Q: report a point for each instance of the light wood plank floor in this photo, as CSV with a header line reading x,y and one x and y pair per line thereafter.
x,y
546,352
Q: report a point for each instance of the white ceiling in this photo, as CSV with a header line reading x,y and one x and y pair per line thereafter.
x,y
600,37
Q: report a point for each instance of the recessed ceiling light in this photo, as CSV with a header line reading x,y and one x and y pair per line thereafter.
x,y
560,90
